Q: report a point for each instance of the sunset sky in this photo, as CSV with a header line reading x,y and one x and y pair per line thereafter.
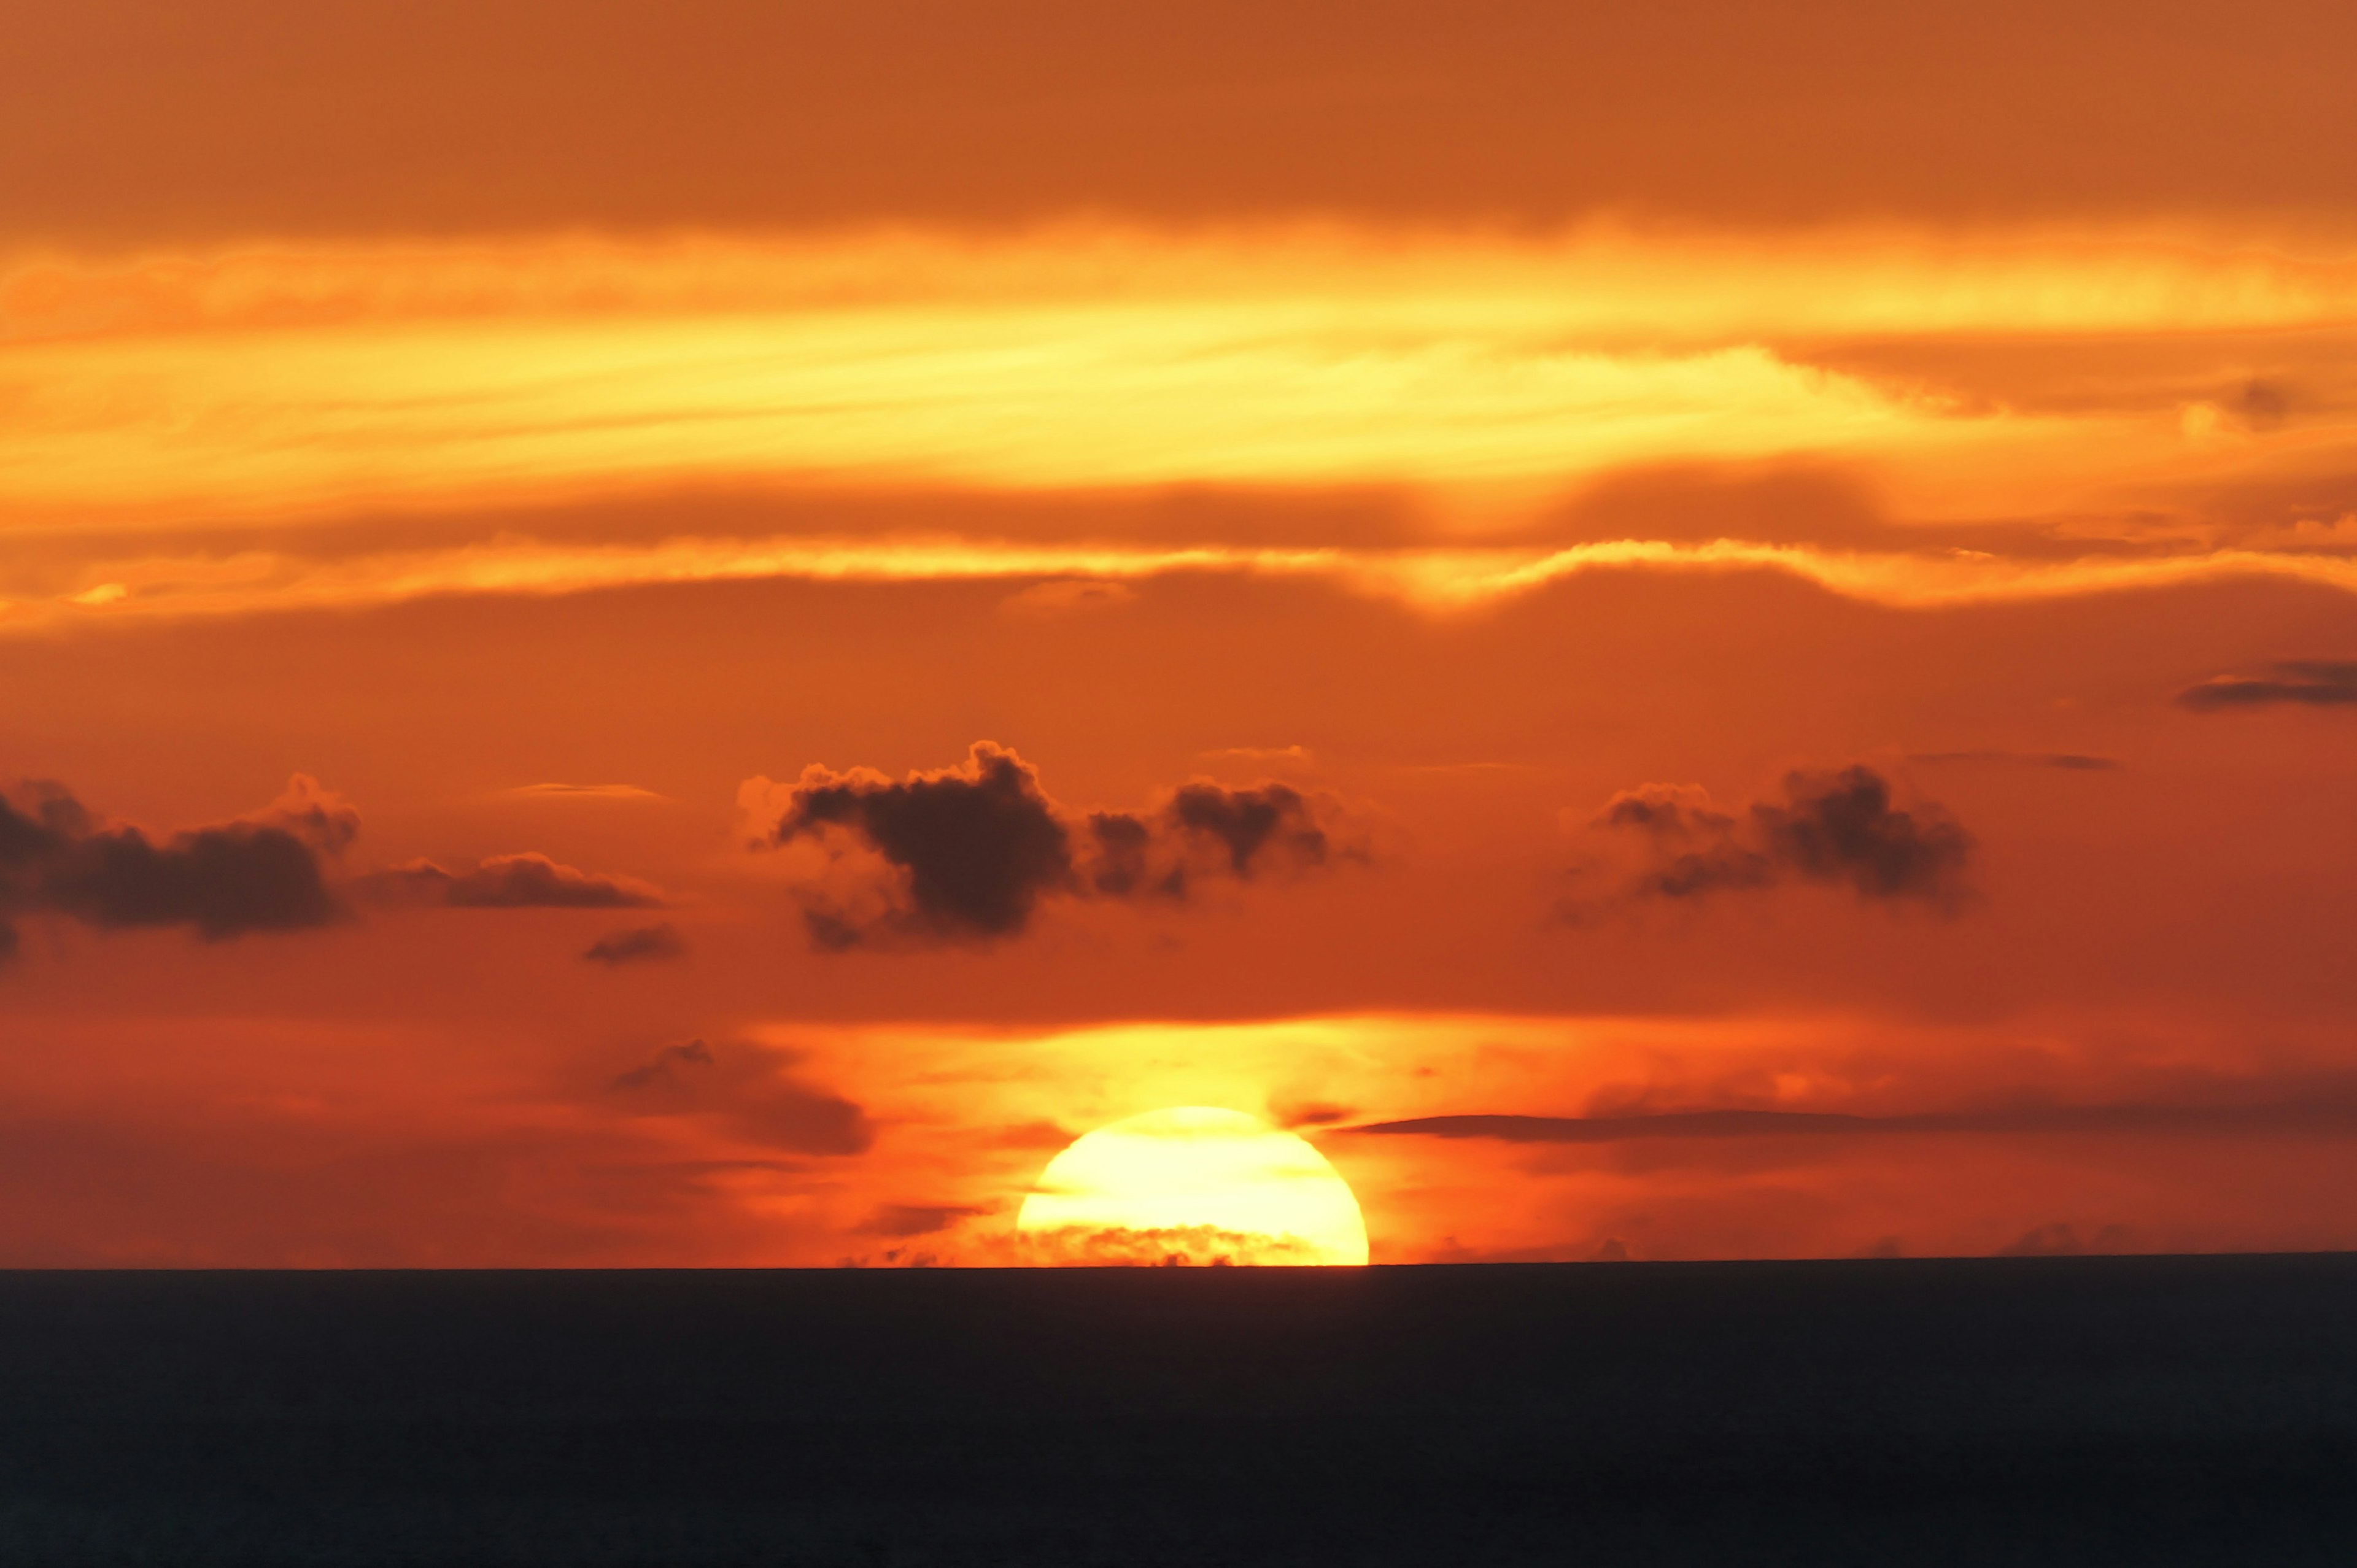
x,y
698,633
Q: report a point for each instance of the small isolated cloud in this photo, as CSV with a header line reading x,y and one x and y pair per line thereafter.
x,y
640,944
969,853
1838,829
695,1053
901,1221
266,872
2066,761
1266,755
1067,595
748,1091
2308,682
513,882
582,792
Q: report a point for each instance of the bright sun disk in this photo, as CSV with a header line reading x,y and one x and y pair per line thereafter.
x,y
1196,1184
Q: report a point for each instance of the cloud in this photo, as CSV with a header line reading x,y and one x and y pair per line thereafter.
x,y
277,869
2066,761
2313,683
899,1221
2323,1114
513,882
582,792
264,871
639,944
750,1090
1833,829
695,1053
2060,1240
1163,1246
969,852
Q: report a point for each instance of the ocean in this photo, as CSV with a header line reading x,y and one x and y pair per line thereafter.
x,y
1893,1412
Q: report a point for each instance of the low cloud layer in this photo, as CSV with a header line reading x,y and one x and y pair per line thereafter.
x,y
2306,682
969,853
1840,829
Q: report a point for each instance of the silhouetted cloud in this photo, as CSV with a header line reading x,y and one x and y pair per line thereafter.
x,y
899,1221
1838,828
750,1090
639,944
2066,761
2059,1240
513,882
695,1053
266,872
967,853
2312,683
278,869
2328,1114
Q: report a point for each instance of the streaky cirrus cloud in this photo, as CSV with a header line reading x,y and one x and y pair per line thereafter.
x,y
265,872
2303,682
969,852
526,881
529,370
2328,1114
2062,761
1837,829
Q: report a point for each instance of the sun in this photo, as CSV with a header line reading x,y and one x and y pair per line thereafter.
x,y
1192,1184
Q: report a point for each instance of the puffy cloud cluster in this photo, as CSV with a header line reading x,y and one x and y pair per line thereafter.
x,y
1838,828
265,872
968,853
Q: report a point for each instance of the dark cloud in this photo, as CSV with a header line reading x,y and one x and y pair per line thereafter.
x,y
266,872
278,869
967,853
640,944
2312,683
2068,761
695,1053
2322,1113
513,882
752,1090
898,1221
1835,829
2059,1240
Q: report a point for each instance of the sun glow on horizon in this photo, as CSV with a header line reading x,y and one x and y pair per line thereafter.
x,y
1194,1184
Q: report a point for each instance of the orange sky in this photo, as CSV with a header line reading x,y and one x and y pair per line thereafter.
x,y
1777,582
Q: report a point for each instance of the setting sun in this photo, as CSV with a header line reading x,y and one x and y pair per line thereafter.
x,y
1192,1184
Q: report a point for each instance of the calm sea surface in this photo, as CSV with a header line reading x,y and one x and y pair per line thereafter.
x,y
2032,1411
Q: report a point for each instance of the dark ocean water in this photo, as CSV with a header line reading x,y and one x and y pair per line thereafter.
x,y
2035,1411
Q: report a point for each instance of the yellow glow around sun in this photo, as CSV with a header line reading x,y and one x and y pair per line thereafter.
x,y
1192,1184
